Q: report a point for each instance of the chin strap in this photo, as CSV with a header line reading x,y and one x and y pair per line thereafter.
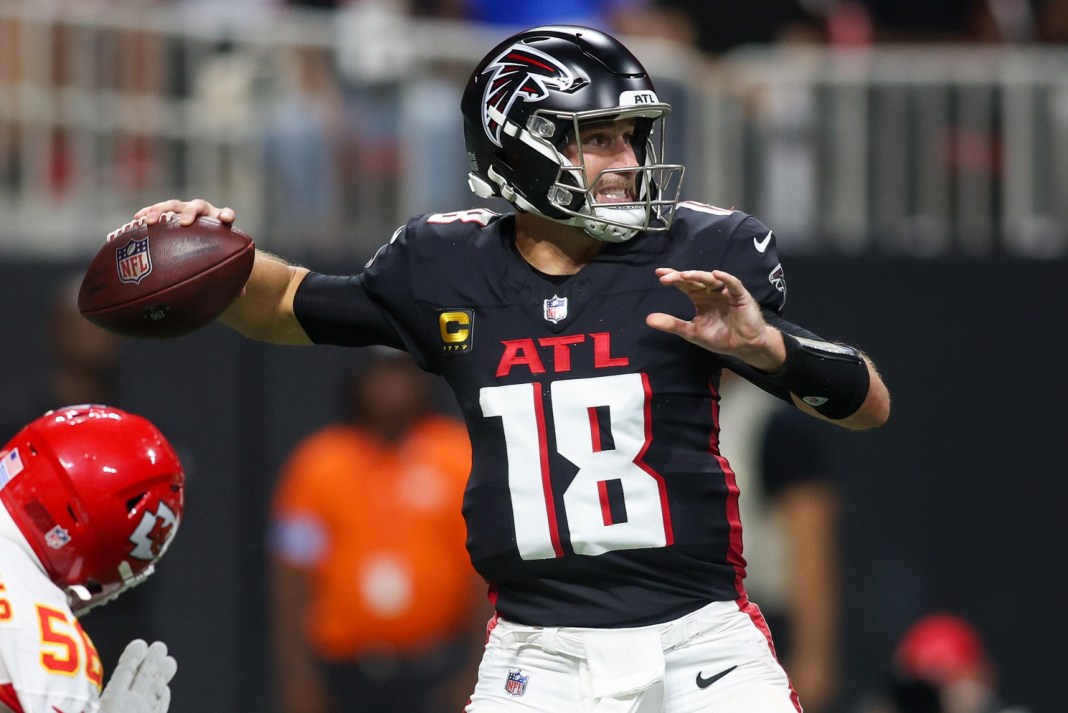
x,y
479,187
609,232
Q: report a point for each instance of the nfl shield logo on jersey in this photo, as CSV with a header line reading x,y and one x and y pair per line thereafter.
x,y
556,309
516,684
133,261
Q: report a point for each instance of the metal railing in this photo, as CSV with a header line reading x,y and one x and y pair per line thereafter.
x,y
326,130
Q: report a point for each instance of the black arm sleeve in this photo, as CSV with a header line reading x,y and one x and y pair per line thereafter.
x,y
338,310
761,378
831,378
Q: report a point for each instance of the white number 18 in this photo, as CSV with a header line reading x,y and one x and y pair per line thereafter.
x,y
602,426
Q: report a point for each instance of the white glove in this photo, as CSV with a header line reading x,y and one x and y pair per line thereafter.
x,y
139,682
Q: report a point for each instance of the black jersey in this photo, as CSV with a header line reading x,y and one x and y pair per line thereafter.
x,y
597,494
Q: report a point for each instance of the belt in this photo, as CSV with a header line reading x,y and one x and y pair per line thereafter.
x,y
570,641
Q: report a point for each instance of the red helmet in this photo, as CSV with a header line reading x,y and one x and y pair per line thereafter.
x,y
943,649
98,494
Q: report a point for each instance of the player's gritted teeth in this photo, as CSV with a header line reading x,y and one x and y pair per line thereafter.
x,y
614,192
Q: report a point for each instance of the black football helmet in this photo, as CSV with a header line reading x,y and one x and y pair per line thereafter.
x,y
527,99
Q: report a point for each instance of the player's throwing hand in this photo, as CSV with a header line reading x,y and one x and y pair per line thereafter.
x,y
186,210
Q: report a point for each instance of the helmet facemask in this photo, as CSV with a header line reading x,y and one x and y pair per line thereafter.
x,y
83,598
653,186
574,192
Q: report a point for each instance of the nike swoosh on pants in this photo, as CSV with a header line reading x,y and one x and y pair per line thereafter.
x,y
706,682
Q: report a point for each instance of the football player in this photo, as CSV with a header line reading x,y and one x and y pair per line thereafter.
x,y
92,496
584,335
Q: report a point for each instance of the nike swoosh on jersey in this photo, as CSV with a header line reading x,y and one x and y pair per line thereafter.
x,y
706,682
762,245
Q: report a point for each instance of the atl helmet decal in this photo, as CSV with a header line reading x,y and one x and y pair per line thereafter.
x,y
153,533
519,71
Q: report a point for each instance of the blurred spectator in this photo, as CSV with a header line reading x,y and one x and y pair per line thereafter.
x,y
925,20
83,368
940,666
85,357
375,601
1051,21
983,21
10,76
787,474
717,27
601,14
301,148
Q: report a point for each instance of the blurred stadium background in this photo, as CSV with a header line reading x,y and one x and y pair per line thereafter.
x,y
918,192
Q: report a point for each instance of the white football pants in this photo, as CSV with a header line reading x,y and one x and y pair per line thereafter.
x,y
718,659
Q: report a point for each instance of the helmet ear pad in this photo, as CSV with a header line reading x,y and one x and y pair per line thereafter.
x,y
531,175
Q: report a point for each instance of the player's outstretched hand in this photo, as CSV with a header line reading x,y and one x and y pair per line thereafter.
x,y
186,210
727,320
140,681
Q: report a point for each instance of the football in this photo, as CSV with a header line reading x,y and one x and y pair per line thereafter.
x,y
165,280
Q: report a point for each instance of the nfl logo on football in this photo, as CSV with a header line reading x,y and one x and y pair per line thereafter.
x,y
134,261
556,309
516,684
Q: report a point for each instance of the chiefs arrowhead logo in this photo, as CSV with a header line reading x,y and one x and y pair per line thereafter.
x,y
520,72
153,534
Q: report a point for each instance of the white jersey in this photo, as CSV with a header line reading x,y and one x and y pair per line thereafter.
x,y
47,662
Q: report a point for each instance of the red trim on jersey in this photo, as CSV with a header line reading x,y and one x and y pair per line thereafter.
x,y
755,615
734,518
490,626
10,699
669,533
546,483
606,510
595,428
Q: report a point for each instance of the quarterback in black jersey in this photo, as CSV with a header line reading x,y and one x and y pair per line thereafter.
x,y
584,336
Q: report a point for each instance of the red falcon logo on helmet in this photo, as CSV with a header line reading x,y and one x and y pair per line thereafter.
x,y
520,71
